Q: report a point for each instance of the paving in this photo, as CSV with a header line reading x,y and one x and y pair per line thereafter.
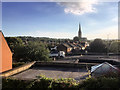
x,y
53,72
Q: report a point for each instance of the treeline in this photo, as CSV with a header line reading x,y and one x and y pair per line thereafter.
x,y
37,48
27,51
44,39
102,46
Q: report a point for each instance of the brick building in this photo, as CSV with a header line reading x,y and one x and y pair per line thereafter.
x,y
64,47
5,55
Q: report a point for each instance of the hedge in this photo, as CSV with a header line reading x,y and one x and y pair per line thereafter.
x,y
109,83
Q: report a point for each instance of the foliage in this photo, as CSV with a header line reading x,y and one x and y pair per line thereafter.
x,y
13,42
67,83
32,51
76,39
64,83
59,83
115,47
21,53
38,51
43,39
14,83
31,48
100,83
98,46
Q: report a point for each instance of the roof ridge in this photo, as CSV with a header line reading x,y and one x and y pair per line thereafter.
x,y
102,65
98,67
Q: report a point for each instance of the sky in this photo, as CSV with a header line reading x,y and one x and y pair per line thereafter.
x,y
60,19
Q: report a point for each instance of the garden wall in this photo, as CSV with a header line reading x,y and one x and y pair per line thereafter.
x,y
17,70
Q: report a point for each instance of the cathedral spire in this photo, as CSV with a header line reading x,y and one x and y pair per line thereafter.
x,y
79,32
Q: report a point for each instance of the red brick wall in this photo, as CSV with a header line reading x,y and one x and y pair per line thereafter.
x,y
6,55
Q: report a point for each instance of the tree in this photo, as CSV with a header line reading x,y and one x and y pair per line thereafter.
x,y
21,53
76,38
98,46
13,42
38,51
115,47
33,51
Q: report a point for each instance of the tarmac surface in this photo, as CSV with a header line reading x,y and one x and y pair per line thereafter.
x,y
53,72
62,72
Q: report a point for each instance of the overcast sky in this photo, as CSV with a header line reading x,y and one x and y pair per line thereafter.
x,y
60,19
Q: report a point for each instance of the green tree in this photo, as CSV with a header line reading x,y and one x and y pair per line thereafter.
x,y
33,51
76,38
98,46
14,42
115,47
38,51
21,53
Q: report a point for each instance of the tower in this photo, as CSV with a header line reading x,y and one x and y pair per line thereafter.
x,y
79,32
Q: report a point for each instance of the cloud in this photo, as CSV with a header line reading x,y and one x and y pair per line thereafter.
x,y
105,33
79,8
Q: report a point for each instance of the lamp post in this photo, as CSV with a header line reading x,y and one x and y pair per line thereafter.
x,y
108,44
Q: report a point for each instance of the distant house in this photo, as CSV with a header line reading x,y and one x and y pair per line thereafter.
x,y
72,45
54,48
5,55
64,47
102,69
79,46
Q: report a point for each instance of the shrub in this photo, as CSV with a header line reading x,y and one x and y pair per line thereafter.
x,y
67,83
14,83
101,82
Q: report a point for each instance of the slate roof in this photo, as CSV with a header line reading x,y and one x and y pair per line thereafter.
x,y
94,68
66,45
72,45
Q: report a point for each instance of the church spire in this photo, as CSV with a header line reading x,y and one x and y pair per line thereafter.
x,y
79,32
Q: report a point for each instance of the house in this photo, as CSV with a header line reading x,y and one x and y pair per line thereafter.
x,y
64,47
5,55
103,69
72,45
79,46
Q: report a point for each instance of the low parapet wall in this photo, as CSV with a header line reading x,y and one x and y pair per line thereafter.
x,y
85,60
17,69
60,64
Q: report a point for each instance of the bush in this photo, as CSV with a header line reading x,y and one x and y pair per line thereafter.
x,y
90,83
48,83
14,83
64,83
100,83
